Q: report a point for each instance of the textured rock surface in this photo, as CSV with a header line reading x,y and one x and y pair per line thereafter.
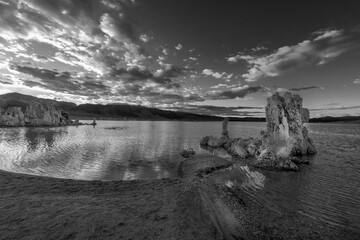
x,y
39,114
269,159
186,153
285,137
35,114
285,117
225,131
12,117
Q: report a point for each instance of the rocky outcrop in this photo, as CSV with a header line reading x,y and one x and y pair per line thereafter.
x,y
34,115
285,139
39,114
269,160
225,131
12,117
237,147
285,117
186,153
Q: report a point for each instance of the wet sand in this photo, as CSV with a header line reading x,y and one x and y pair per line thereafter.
x,y
34,207
194,206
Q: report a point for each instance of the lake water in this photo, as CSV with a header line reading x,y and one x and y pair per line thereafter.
x,y
327,189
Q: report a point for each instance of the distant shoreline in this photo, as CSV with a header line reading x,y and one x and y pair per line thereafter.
x,y
126,112
155,120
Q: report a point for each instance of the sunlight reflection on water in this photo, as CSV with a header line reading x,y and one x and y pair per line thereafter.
x,y
327,189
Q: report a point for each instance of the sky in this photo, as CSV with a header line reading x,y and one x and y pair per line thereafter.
x,y
203,56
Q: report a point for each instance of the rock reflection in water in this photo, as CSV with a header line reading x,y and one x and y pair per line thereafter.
x,y
45,137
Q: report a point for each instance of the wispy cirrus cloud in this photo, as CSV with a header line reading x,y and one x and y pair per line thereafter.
x,y
322,48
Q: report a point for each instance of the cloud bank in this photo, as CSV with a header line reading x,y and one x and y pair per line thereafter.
x,y
323,47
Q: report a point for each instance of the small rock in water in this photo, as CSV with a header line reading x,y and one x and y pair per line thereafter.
x,y
117,128
225,132
186,153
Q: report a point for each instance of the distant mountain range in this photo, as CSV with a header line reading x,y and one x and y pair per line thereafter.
x,y
134,112
347,119
108,112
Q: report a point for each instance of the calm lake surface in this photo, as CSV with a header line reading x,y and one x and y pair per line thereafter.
x,y
328,189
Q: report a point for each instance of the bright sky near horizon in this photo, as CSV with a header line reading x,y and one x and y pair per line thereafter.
x,y
202,56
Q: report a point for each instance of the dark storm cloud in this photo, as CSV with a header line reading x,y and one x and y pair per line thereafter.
x,y
59,81
335,108
153,95
95,86
5,82
170,71
220,108
136,74
168,98
33,84
240,92
216,110
303,88
131,74
43,74
6,79
10,22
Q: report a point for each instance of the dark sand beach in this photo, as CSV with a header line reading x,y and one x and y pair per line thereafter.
x,y
195,206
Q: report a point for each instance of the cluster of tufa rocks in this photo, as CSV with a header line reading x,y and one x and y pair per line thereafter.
x,y
34,115
280,146
187,153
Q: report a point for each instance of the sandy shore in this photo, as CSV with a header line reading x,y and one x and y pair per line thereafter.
x,y
46,208
194,206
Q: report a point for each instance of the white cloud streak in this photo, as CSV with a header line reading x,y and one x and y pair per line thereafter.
x,y
326,46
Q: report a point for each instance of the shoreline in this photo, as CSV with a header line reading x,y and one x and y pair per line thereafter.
x,y
38,207
194,206
51,126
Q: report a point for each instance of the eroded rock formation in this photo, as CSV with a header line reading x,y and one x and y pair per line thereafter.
x,y
285,117
34,115
285,139
12,117
186,153
225,131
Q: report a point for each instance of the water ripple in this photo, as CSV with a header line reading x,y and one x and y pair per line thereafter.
x,y
328,189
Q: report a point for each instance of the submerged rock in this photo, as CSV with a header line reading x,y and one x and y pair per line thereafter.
x,y
186,153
